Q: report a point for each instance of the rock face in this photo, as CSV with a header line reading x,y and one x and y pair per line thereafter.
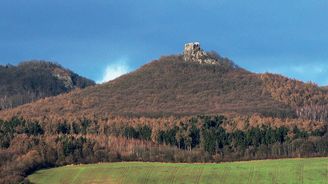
x,y
64,76
194,53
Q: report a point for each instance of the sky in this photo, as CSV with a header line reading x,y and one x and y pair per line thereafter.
x,y
103,39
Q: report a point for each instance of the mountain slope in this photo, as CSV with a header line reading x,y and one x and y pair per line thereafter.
x,y
33,80
169,86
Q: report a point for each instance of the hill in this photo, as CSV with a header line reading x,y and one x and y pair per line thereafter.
x,y
30,81
168,86
197,82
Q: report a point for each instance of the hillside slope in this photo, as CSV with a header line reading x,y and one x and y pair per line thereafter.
x,y
30,81
308,100
168,86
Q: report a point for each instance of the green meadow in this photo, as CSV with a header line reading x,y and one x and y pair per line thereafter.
x,y
293,171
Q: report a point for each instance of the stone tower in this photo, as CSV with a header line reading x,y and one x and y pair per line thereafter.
x,y
194,53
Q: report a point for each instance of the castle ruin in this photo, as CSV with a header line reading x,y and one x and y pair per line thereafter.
x,y
194,53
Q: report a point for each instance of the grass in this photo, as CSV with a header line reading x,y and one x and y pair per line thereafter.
x,y
298,171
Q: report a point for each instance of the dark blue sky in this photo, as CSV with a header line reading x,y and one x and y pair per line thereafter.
x,y
93,37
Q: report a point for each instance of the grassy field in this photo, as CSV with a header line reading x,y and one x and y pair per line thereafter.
x,y
298,171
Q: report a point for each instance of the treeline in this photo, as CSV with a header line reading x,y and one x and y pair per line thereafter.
x,y
255,143
27,146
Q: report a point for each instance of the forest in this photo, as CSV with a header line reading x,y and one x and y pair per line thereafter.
x,y
27,146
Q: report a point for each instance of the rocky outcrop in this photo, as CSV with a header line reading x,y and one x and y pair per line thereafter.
x,y
194,53
64,76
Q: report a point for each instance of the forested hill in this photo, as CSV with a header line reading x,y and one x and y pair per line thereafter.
x,y
172,86
32,80
165,87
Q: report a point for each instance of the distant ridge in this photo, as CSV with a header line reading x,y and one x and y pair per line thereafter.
x,y
32,80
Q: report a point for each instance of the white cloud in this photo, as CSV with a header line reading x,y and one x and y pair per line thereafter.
x,y
114,70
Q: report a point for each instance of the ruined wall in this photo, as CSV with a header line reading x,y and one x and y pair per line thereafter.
x,y
194,53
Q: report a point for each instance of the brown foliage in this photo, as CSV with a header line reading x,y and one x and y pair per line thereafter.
x,y
307,99
165,87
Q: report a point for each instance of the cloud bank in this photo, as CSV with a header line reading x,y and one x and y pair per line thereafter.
x,y
114,70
